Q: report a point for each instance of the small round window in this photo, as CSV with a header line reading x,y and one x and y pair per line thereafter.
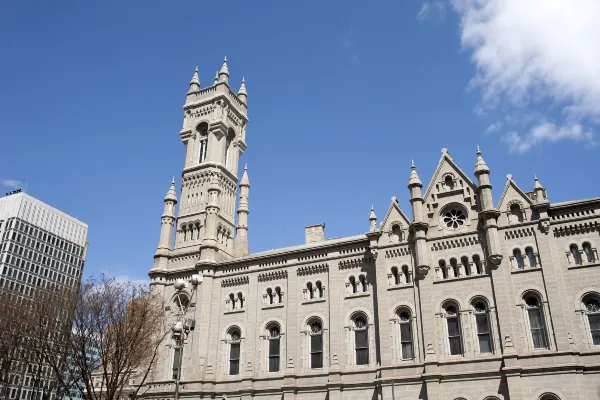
x,y
453,217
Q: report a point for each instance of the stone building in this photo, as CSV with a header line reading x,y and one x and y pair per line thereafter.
x,y
475,297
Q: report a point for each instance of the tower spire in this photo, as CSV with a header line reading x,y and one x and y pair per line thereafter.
x,y
224,72
242,94
372,220
194,83
539,190
240,245
216,78
163,252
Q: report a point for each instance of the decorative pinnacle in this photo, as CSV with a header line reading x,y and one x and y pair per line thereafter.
x,y
372,216
224,70
245,181
216,76
195,82
537,184
478,151
412,165
172,194
480,166
414,179
242,91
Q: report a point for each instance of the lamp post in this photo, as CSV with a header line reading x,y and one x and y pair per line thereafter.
x,y
183,326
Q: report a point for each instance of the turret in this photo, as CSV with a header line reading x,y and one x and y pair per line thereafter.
x,y
539,191
242,94
419,226
240,245
372,220
224,72
166,228
488,214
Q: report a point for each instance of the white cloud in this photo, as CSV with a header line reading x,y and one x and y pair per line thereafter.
x,y
532,54
547,132
495,127
11,183
432,9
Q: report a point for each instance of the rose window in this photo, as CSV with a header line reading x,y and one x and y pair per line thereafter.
x,y
454,218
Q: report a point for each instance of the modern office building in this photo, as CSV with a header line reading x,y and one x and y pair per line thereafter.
x,y
480,295
40,245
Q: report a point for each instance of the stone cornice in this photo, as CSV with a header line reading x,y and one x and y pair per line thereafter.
x,y
235,281
312,269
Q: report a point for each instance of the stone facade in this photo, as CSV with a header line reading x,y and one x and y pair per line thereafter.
x,y
470,299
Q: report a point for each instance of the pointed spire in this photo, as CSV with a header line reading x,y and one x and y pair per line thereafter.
x,y
372,215
216,78
171,194
372,220
245,181
224,72
194,83
414,180
242,94
537,184
480,166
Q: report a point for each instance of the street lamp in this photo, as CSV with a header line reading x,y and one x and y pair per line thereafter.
x,y
183,326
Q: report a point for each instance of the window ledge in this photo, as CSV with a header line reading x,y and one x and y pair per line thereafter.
x,y
235,311
400,286
310,301
585,265
269,306
528,269
460,278
360,294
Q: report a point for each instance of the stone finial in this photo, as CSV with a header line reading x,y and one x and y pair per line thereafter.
x,y
414,180
242,94
372,220
245,181
480,166
224,72
171,194
216,78
537,184
194,83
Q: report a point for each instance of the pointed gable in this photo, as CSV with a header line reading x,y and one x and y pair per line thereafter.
x,y
447,167
511,197
395,224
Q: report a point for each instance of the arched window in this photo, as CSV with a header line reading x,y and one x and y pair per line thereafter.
x,y
184,231
530,256
518,258
234,339
516,215
477,263
537,327
575,253
270,296
406,338
315,329
589,253
395,276
227,146
443,269
361,339
405,274
363,283
592,309
203,145
273,336
549,396
279,294
396,233
319,289
454,330
449,182
309,287
240,299
465,263
454,267
482,322
232,301
353,287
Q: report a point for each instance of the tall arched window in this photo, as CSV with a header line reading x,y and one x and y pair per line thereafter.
x,y
592,309
396,233
465,264
482,322
575,253
309,288
315,328
234,339
363,283
449,182
227,146
353,288
454,267
530,256
537,327
518,258
477,263
279,294
516,215
270,296
240,299
203,145
454,329
232,301
589,253
319,288
395,276
443,269
405,274
361,339
273,336
406,339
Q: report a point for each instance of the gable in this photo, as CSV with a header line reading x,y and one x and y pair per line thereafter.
x,y
394,217
512,195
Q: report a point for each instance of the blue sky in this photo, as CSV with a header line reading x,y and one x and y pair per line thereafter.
x,y
342,95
